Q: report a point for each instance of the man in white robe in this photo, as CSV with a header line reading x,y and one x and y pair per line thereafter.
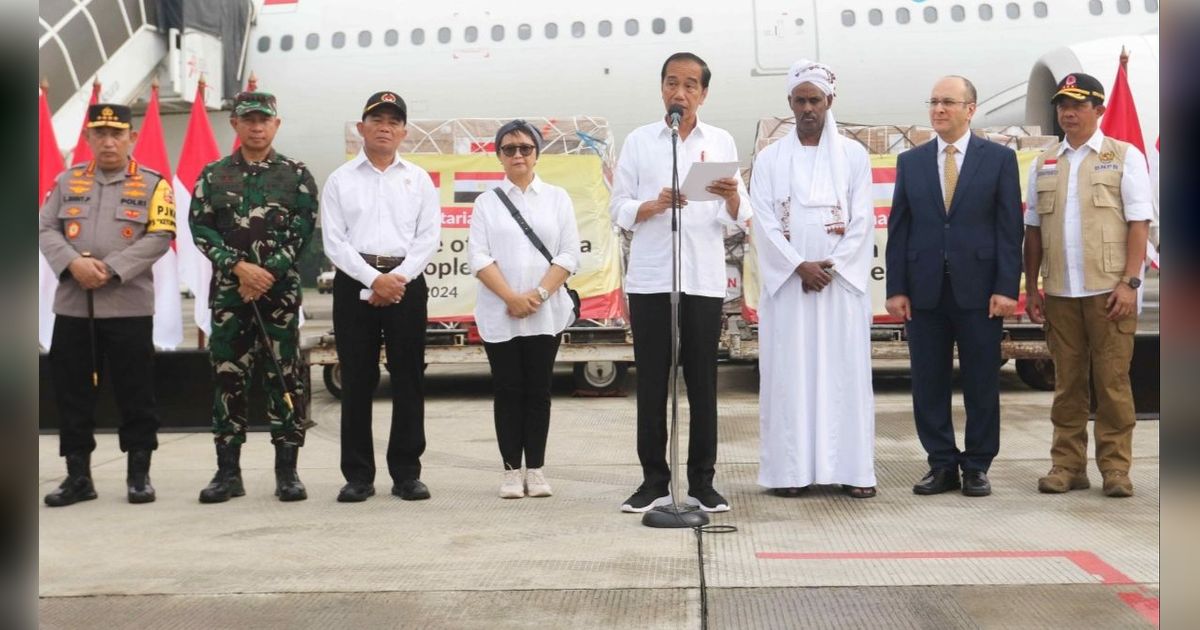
x,y
811,193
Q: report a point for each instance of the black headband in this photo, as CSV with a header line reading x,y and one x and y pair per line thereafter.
x,y
524,127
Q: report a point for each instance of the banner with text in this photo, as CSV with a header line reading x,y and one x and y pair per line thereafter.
x,y
461,178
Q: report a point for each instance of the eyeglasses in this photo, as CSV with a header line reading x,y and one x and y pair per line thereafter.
x,y
510,150
948,102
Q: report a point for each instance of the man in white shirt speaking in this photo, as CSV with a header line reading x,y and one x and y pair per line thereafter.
x,y
641,203
380,228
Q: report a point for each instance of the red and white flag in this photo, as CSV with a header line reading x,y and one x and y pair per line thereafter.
x,y
1121,122
151,151
83,152
199,148
50,164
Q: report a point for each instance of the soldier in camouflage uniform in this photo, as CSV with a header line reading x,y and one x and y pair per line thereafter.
x,y
252,214
101,229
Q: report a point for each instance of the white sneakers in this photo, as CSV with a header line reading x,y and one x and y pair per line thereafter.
x,y
535,483
514,484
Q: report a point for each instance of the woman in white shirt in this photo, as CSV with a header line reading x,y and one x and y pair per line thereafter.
x,y
522,306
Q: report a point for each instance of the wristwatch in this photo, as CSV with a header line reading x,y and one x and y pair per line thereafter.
x,y
1133,281
542,293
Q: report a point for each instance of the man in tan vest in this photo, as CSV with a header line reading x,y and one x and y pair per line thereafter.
x,y
1086,222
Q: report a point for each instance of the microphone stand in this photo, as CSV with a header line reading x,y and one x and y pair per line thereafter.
x,y
675,515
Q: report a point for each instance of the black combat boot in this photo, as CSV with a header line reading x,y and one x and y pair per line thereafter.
x,y
228,480
78,484
138,478
288,486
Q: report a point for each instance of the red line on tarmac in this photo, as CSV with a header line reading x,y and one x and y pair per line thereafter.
x,y
1145,605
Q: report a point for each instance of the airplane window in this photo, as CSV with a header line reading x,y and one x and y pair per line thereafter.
x,y
264,43
497,33
1095,7
902,15
285,42
1013,10
577,29
391,37
364,39
1122,6
444,35
524,31
847,18
312,41
958,13
1151,6
604,28
418,36
470,34
1040,9
339,39
875,16
931,14
685,25
631,27
551,30
659,26
985,12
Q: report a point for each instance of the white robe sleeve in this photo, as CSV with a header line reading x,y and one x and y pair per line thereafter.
x,y
777,259
852,255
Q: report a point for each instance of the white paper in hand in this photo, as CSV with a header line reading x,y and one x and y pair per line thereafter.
x,y
701,175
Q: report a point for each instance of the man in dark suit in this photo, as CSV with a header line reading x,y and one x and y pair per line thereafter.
x,y
953,274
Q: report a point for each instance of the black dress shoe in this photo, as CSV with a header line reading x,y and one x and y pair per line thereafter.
x,y
937,481
411,490
975,483
355,492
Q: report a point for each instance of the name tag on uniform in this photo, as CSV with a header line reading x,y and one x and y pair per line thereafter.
x,y
1106,167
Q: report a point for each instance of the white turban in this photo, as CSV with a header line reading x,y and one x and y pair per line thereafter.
x,y
818,74
828,180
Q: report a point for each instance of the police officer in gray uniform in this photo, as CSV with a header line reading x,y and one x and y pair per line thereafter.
x,y
101,228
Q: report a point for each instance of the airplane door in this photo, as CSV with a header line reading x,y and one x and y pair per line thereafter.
x,y
784,31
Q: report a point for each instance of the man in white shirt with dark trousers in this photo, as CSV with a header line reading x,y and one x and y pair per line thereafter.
x,y
380,227
641,203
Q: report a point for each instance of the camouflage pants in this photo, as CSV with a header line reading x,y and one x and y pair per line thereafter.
x,y
235,345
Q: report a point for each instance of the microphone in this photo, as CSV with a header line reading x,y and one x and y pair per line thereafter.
x,y
674,114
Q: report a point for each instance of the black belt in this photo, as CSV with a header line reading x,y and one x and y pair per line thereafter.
x,y
383,263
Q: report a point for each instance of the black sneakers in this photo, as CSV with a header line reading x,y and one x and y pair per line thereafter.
x,y
708,499
646,499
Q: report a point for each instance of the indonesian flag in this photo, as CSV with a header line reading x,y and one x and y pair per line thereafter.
x,y
199,148
83,152
1121,122
1120,119
50,164
151,151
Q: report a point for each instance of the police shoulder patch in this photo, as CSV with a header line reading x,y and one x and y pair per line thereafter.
x,y
162,209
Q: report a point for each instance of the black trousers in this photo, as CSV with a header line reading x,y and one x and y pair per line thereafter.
x,y
522,370
359,329
699,333
932,334
125,351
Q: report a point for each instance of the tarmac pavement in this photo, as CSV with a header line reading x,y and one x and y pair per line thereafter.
x,y
467,559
